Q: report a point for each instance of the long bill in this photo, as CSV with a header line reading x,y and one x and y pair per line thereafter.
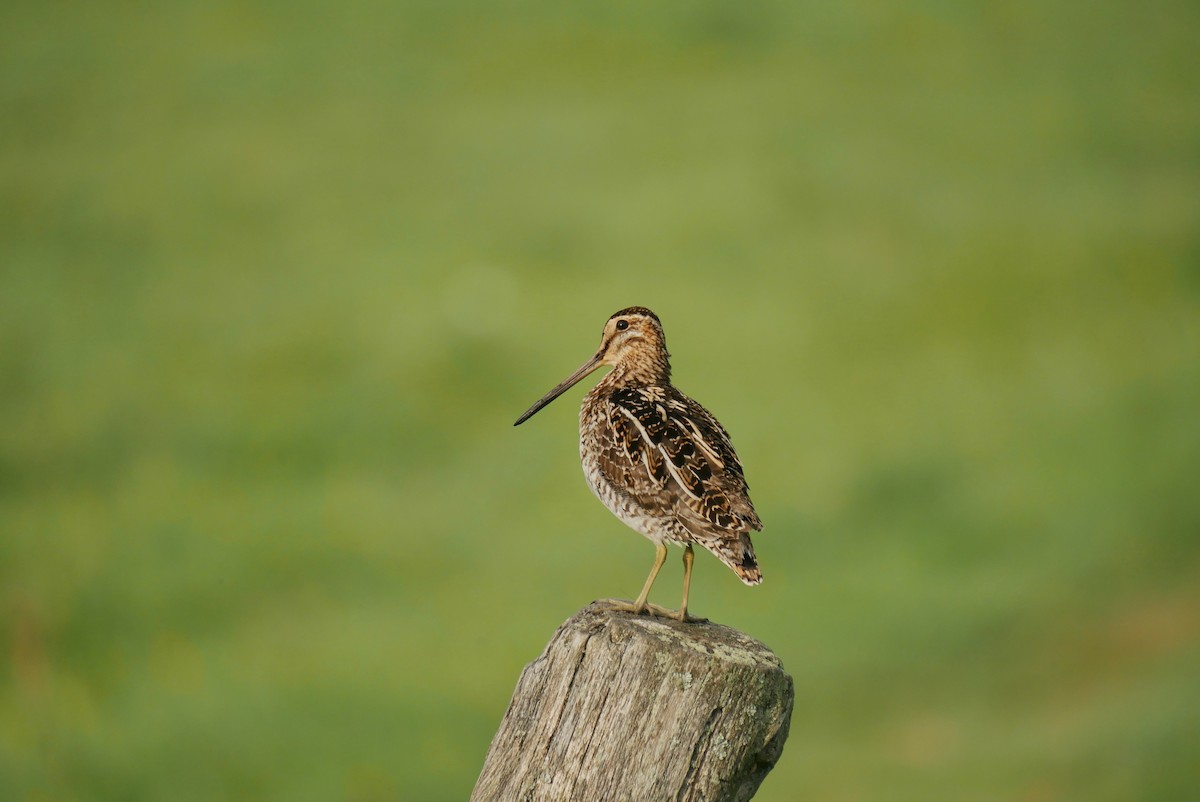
x,y
563,386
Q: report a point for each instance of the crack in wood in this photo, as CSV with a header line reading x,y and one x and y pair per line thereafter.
x,y
698,749
566,698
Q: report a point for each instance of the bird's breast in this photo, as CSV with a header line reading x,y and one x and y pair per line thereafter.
x,y
596,444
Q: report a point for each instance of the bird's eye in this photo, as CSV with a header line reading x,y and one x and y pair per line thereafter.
x,y
622,325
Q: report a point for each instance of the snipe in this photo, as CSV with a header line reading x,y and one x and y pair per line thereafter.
x,y
661,462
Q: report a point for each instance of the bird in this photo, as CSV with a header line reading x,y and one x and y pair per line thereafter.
x,y
660,462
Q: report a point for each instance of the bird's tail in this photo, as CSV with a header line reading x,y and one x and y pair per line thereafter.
x,y
739,555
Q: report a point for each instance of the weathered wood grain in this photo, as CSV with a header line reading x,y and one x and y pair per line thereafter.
x,y
624,707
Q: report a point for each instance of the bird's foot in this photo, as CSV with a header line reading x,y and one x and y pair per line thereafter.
x,y
629,607
653,609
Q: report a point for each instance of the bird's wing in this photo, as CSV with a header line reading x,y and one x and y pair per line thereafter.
x,y
674,454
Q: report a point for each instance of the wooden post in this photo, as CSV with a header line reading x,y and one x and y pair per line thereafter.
x,y
624,707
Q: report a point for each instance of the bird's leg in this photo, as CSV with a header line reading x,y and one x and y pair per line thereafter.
x,y
660,557
640,606
688,557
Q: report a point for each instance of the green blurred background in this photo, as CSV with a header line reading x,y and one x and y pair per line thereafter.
x,y
277,277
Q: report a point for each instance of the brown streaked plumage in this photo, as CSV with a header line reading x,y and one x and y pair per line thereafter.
x,y
658,460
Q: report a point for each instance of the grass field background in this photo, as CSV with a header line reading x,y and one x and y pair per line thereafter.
x,y
276,278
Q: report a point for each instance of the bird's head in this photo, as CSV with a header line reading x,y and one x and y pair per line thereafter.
x,y
631,336
632,343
